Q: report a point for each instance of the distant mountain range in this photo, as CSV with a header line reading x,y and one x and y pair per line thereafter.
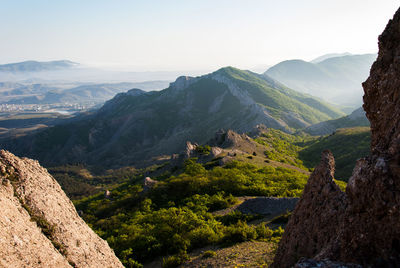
x,y
61,71
334,79
138,125
51,94
330,55
37,66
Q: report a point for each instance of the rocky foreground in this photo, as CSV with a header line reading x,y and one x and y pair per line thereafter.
x,y
39,226
361,226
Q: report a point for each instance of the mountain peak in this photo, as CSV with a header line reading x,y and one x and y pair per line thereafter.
x,y
335,79
229,71
182,82
192,108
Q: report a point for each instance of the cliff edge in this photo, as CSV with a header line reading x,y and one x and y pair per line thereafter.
x,y
39,226
361,226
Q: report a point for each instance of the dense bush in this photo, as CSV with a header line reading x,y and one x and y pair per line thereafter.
x,y
304,151
175,216
204,150
77,181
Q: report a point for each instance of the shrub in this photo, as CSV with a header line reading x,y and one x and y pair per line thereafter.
x,y
175,260
133,264
204,150
263,232
209,254
239,232
192,168
200,237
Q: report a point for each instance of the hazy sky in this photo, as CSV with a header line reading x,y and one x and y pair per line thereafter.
x,y
186,34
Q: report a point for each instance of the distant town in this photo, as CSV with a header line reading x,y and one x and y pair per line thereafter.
x,y
62,108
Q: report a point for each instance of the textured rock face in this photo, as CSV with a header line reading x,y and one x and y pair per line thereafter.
x,y
361,226
39,226
225,139
318,208
183,82
373,193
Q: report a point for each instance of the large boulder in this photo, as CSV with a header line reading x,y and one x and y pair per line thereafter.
x,y
39,226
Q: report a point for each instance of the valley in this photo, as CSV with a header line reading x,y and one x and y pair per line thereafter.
x,y
187,175
164,134
135,126
190,191
199,171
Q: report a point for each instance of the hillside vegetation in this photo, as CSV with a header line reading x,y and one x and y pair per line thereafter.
x,y
346,144
175,216
356,119
133,128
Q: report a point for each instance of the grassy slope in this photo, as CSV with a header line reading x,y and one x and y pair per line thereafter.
x,y
346,122
303,151
278,98
355,119
347,145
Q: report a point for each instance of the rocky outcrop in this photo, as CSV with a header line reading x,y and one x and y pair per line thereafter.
x,y
39,226
148,184
190,149
258,130
318,209
182,82
227,139
361,226
135,127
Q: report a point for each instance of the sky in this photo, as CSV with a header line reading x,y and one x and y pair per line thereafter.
x,y
170,35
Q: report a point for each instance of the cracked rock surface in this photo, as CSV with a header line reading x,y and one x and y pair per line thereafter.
x,y
39,226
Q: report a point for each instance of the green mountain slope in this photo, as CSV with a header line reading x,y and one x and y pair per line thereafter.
x,y
346,144
336,79
131,128
356,119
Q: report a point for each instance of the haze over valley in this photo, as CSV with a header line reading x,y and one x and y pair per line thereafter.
x,y
200,134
